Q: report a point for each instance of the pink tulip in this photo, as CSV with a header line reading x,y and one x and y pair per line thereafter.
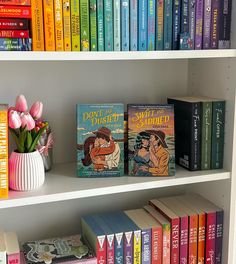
x,y
14,120
27,121
36,110
21,104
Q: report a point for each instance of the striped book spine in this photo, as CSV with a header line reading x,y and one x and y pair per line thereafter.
x,y
142,25
75,25
100,21
67,25
160,25
108,16
117,27
133,25
125,25
93,24
59,36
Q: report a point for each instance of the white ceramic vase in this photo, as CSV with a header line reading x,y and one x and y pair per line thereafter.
x,y
26,171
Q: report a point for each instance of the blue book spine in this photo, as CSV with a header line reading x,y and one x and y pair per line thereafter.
x,y
185,16
142,25
108,16
176,24
7,44
151,24
160,25
117,38
192,21
125,25
146,246
168,24
100,24
133,25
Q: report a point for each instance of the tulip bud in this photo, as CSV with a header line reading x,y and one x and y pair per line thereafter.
x,y
27,121
21,104
36,110
14,120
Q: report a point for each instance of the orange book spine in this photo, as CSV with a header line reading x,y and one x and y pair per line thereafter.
x,y
49,31
201,238
193,241
157,245
59,25
67,25
37,25
3,151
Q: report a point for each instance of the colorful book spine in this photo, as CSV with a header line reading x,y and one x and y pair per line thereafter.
x,y
156,245
142,25
146,246
85,37
12,248
218,124
119,248
25,44
215,15
12,44
125,25
108,20
66,25
48,19
207,25
117,27
166,243
14,24
201,238
176,24
3,151
111,249
219,236
133,25
160,25
128,247
210,237
151,24
206,135
184,241
100,22
225,24
93,25
192,21
59,36
195,137
185,16
193,239
75,25
168,4
199,24
7,33
15,11
15,2
137,247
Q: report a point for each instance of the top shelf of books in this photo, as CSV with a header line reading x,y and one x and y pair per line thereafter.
x,y
113,56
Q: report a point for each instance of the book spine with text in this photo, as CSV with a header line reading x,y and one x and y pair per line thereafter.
x,y
14,24
100,21
160,25
184,28
146,246
13,258
110,249
75,25
176,24
67,25
137,246
119,248
199,24
215,15
201,238
156,245
16,11
193,238
15,2
151,24
128,247
207,25
108,17
219,236
133,25
168,24
117,27
142,25
210,237
192,21
125,25
59,36
49,25
93,24
183,243
8,33
175,241
84,16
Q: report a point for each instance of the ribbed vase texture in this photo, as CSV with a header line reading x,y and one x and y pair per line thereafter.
x,y
26,171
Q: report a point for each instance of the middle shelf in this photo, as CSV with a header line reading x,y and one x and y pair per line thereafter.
x,y
62,184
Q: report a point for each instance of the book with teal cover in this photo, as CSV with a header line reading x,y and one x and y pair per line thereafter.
x,y
117,27
93,24
134,25
100,140
100,22
168,13
125,25
108,22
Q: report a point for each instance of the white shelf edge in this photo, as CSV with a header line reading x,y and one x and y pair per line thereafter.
x,y
104,56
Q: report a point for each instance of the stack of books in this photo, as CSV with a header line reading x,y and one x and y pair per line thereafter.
x,y
177,229
15,33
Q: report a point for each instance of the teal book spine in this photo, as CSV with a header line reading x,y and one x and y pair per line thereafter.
x,y
142,24
117,27
206,135
151,24
84,16
125,25
218,127
100,25
168,5
93,24
108,14
133,25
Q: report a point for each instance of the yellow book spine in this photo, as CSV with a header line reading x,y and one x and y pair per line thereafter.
x,y
49,31
37,25
59,25
67,26
75,25
3,153
137,247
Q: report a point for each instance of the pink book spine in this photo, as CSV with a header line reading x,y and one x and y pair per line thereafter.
x,y
210,238
175,241
184,239
13,258
110,249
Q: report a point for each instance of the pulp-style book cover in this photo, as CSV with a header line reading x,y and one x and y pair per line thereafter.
x,y
151,140
100,140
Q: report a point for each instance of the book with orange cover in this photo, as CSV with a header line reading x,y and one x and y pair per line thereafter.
x,y
15,2
59,37
67,25
49,27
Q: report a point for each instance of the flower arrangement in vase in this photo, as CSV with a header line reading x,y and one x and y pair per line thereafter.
x,y
26,168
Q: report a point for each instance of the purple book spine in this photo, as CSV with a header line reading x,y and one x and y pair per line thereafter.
x,y
184,239
215,14
219,236
207,25
128,247
146,246
192,21
199,23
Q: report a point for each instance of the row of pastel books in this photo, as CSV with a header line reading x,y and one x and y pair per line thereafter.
x,y
15,29
177,229
199,132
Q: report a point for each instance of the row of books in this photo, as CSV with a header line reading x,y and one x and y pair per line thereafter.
x,y
199,132
177,229
15,28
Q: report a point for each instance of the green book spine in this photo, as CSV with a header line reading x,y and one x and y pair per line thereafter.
x,y
218,126
108,14
93,25
206,135
100,21
75,25
84,11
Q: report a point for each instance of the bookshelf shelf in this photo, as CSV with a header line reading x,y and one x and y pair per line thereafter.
x,y
107,56
62,184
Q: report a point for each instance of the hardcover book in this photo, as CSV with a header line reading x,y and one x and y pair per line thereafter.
x,y
142,24
151,24
151,140
15,2
125,25
59,35
134,25
215,15
207,24
100,140
160,25
192,21
199,24
168,23
66,25
14,23
176,24
93,24
7,33
15,11
117,25
75,25
58,250
100,21
85,37
108,22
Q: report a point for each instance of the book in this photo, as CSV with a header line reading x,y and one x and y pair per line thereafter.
x,y
192,22
100,140
199,24
176,24
215,15
100,22
93,24
175,228
66,25
75,25
59,35
12,248
184,28
151,24
3,150
3,259
37,25
15,44
15,11
168,23
117,25
85,29
151,140
49,25
67,249
7,33
187,131
134,25
15,2
14,23
160,25
207,24
142,24
108,22
125,24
